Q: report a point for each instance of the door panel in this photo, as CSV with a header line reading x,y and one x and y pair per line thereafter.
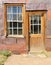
x,y
36,44
36,32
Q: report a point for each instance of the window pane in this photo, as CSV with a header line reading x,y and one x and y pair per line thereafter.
x,y
14,31
20,24
19,16
9,24
32,17
39,28
35,29
9,9
9,17
31,21
19,9
14,24
9,31
14,9
14,16
36,19
39,20
19,31
32,29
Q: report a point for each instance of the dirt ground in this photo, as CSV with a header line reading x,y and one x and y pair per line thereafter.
x,y
28,60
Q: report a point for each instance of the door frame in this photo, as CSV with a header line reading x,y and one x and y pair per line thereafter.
x,y
43,13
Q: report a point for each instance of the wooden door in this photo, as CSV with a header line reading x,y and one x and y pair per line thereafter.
x,y
36,31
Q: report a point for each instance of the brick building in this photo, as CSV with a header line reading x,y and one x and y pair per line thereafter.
x,y
25,25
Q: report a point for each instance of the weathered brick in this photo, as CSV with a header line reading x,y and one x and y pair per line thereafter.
x,y
13,47
49,14
48,44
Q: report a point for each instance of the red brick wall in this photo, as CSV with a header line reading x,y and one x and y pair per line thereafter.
x,y
48,44
49,14
15,48
13,44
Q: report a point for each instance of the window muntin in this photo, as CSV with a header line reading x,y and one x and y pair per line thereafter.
x,y
14,20
35,24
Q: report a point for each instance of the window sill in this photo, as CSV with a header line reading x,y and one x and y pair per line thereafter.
x,y
16,36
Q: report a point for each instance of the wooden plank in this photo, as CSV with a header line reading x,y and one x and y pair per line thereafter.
x,y
27,30
14,4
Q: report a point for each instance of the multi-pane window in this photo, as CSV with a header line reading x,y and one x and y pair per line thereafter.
x,y
35,23
14,20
